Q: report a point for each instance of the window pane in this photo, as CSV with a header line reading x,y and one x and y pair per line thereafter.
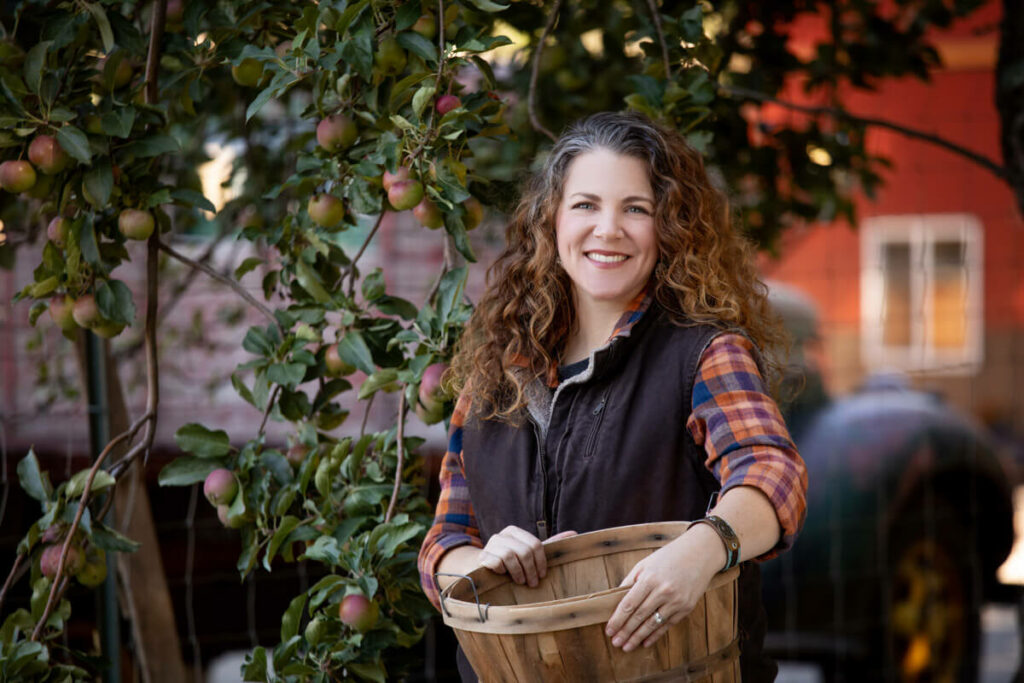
x,y
948,296
896,298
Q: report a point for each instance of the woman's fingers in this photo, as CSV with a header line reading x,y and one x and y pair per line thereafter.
x,y
516,551
633,599
531,553
641,621
560,535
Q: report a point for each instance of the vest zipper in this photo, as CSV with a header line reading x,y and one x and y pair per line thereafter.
x,y
542,524
599,413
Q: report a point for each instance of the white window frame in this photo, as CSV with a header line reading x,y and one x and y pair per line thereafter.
x,y
920,232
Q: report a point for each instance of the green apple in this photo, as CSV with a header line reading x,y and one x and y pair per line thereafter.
x,y
17,176
405,194
326,210
336,133
390,57
136,224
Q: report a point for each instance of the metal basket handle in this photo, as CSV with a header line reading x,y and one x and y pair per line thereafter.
x,y
481,609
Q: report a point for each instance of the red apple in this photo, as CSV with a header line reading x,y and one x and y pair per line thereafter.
x,y
47,154
220,487
248,73
389,178
136,224
431,387
326,210
17,176
57,231
335,365
85,311
61,313
474,213
445,103
359,612
50,559
405,194
336,133
428,214
296,454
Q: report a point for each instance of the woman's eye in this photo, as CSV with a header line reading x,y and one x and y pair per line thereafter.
x,y
582,205
639,209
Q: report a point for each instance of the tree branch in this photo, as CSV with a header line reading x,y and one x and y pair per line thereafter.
x,y
156,33
1000,172
223,279
401,456
366,243
270,406
11,578
531,100
656,18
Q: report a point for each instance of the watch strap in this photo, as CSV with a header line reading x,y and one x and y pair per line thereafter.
x,y
729,538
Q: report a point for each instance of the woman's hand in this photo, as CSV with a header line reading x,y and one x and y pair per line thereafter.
x,y
519,553
666,584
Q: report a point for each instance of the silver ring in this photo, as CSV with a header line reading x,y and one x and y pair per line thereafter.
x,y
658,619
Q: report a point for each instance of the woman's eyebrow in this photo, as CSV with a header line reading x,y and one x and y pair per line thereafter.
x,y
630,198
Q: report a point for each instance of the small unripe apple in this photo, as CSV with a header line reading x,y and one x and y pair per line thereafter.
x,y
426,26
122,75
248,73
326,210
428,214
389,178
93,124
61,313
136,224
220,487
474,213
359,612
335,365
17,176
47,154
85,311
57,230
296,454
94,572
390,57
430,412
107,329
315,630
445,103
50,559
228,522
431,387
336,133
405,194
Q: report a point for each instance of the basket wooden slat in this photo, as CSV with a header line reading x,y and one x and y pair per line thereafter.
x,y
555,631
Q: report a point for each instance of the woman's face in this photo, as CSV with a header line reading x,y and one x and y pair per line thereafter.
x,y
605,228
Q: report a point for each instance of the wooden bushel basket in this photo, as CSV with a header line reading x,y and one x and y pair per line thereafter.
x,y
555,632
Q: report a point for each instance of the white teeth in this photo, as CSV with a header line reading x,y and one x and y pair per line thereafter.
x,y
606,258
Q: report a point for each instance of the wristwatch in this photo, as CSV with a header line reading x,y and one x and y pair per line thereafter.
x,y
728,536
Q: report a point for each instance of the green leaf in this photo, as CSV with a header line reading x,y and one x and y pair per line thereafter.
x,y
418,45
87,241
377,381
488,6
44,287
261,100
422,99
286,526
255,668
292,617
98,182
353,350
34,481
310,282
449,291
109,539
393,305
74,143
202,442
247,265
76,485
373,285
102,23
183,195
187,470
256,341
373,671
118,123
278,466
35,61
115,302
407,15
286,374
325,549
154,145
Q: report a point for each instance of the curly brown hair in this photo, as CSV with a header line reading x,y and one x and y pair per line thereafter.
x,y
705,271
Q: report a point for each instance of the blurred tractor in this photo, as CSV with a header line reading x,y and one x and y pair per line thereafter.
x,y
909,514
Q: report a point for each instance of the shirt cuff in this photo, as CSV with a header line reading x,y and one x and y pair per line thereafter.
x,y
431,557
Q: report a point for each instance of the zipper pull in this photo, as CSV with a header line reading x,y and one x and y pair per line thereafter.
x,y
542,530
599,407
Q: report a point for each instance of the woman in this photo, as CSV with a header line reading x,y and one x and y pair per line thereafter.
x,y
611,375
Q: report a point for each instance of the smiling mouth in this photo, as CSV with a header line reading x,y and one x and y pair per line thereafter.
x,y
605,258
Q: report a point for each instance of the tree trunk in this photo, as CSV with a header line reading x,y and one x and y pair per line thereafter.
x,y
1010,94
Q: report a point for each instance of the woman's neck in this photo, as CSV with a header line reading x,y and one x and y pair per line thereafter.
x,y
595,322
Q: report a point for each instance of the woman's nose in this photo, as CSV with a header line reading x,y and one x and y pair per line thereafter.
x,y
607,226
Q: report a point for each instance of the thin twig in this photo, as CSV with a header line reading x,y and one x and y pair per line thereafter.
x,y
270,406
980,159
366,415
366,243
152,368
239,289
401,456
653,6
11,578
83,503
531,100
153,57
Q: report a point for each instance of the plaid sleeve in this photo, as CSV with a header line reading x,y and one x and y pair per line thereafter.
x,y
744,435
454,521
